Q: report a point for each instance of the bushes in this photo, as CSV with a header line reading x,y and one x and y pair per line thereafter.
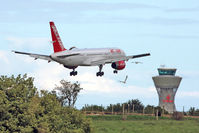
x,y
23,110
120,117
177,116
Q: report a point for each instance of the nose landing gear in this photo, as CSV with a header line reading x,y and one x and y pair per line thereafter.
x,y
115,71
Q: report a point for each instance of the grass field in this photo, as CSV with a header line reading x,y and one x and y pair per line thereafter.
x,y
143,124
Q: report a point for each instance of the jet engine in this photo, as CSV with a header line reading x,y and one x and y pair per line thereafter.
x,y
119,65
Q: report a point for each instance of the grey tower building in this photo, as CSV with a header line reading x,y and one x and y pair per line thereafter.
x,y
166,85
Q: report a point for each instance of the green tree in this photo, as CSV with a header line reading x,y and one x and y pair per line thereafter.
x,y
136,104
116,107
149,109
68,92
191,111
197,112
22,109
15,95
93,108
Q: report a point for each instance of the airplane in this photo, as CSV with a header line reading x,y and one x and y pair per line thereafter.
x,y
74,57
124,80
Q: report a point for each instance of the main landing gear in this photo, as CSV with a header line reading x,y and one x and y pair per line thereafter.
x,y
73,73
100,73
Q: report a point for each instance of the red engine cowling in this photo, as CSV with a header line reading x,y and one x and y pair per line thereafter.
x,y
118,65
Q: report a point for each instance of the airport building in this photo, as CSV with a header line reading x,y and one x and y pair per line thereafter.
x,y
167,84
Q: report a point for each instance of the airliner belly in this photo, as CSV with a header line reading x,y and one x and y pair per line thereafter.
x,y
85,57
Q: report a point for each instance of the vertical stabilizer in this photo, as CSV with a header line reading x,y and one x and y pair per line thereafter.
x,y
56,40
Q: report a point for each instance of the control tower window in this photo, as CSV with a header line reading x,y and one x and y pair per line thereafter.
x,y
166,72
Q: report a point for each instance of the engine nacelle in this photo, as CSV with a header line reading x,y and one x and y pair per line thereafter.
x,y
119,65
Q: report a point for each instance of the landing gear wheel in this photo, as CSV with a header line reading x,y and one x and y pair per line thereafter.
x,y
115,71
100,74
73,73
97,74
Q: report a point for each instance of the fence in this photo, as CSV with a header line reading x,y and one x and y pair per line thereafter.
x,y
127,110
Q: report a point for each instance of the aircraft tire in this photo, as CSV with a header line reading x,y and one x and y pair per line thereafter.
x,y
75,73
102,73
115,71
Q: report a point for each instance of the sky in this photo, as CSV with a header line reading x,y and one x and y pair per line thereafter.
x,y
169,30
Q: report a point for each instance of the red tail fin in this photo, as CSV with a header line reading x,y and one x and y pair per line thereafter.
x,y
57,43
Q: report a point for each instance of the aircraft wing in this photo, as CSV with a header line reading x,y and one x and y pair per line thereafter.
x,y
137,56
36,56
107,61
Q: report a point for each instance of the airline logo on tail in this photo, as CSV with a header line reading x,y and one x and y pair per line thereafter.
x,y
57,43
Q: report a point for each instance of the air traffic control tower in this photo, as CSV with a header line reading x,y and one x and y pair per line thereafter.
x,y
166,85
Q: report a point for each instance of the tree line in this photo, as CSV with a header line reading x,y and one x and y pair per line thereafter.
x,y
133,106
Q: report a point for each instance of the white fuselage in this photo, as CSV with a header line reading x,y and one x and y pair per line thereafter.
x,y
86,57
